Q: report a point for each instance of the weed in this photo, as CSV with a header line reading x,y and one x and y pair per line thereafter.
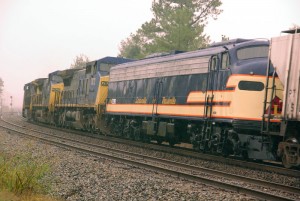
x,y
21,174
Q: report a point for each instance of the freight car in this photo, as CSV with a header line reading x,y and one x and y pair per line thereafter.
x,y
226,99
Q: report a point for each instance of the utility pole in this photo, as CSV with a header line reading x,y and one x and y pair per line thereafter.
x,y
11,104
1,107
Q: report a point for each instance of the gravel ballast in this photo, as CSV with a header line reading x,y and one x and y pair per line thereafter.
x,y
78,176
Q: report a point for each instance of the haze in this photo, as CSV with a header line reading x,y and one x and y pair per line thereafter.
x,y
41,36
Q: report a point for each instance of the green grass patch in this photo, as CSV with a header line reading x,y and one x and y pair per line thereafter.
x,y
23,175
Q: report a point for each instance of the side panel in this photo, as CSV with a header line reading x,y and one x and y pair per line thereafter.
x,y
248,99
102,90
163,89
55,95
236,101
177,67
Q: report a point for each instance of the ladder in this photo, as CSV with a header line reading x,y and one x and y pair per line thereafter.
x,y
269,89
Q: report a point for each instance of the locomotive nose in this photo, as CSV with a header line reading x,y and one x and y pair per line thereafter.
x,y
252,66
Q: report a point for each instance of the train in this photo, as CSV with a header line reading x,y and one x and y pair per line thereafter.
x,y
234,98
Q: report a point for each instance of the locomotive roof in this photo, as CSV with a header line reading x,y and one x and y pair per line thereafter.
x,y
229,42
108,60
214,49
197,53
39,81
65,73
114,60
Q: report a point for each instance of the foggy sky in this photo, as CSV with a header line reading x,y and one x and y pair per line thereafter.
x,y
41,36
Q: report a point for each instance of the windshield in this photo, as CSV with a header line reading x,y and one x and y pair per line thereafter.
x,y
252,52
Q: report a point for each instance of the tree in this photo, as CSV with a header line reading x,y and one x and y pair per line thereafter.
x,y
80,61
132,47
1,86
176,25
224,38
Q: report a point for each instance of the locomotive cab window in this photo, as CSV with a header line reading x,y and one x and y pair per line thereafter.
x,y
225,60
88,69
93,81
214,63
251,86
104,68
252,52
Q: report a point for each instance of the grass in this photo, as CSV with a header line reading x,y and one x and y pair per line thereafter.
x,y
23,178
9,196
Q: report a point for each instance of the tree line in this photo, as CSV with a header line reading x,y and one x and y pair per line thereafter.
x,y
176,25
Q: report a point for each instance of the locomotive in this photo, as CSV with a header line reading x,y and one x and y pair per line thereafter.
x,y
229,98
71,98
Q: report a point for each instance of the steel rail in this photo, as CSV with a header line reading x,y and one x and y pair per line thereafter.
x,y
189,153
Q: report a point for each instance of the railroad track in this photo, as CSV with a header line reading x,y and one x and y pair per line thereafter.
x,y
274,168
241,184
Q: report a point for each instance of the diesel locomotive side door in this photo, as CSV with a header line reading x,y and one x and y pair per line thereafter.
x,y
210,86
218,73
157,96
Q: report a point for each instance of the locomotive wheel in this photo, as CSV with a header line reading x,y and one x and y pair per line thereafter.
x,y
92,126
145,138
285,161
204,147
245,155
171,142
209,147
137,135
129,135
196,147
92,129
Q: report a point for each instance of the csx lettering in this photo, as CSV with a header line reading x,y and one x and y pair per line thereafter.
x,y
104,83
